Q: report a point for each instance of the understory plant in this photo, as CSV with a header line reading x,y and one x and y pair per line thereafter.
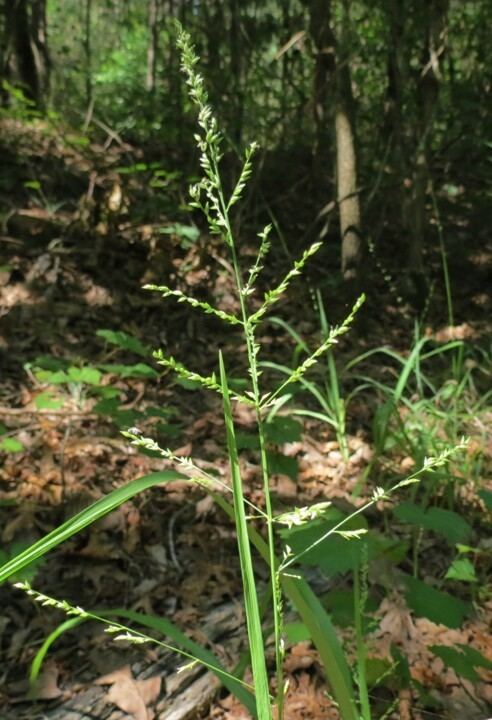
x,y
422,404
286,581
326,388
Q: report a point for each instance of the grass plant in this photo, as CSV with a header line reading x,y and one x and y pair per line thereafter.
x,y
326,388
286,578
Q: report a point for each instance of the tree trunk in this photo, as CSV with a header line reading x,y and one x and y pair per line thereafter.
x,y
435,13
237,97
348,195
88,55
397,70
153,46
332,60
26,57
347,186
39,43
324,70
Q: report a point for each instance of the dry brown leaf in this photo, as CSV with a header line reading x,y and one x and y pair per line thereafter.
x,y
286,488
130,695
301,657
24,520
455,332
114,676
184,451
204,506
125,694
46,686
149,689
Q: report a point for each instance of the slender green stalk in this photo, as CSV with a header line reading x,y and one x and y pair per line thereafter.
x,y
258,664
252,351
360,601
444,257
122,632
379,494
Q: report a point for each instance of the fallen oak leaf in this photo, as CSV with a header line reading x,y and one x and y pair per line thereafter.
x,y
46,685
125,695
130,695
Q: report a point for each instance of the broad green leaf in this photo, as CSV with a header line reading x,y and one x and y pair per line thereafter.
x,y
168,430
188,233
27,574
444,522
48,362
463,659
124,341
461,569
486,496
107,392
335,554
296,632
340,604
279,464
436,605
48,401
282,429
410,513
187,384
402,668
11,445
126,371
247,441
376,669
125,418
164,412
454,527
85,375
77,140
108,406
83,519
32,184
57,377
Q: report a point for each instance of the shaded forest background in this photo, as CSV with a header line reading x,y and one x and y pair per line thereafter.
x,y
365,112
373,119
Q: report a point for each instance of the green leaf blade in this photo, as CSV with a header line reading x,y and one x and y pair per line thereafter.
x,y
84,519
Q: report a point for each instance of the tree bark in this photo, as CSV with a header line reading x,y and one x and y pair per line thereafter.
x,y
435,13
88,55
153,46
26,57
237,98
39,41
347,184
324,70
332,63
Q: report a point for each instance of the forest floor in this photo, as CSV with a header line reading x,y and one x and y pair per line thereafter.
x,y
79,238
